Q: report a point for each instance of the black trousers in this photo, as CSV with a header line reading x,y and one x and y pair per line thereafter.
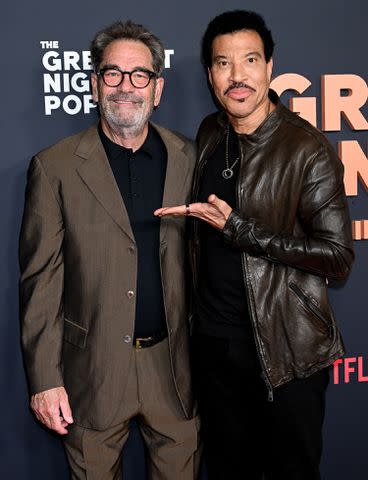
x,y
245,436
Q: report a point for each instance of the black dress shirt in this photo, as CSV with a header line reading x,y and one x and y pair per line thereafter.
x,y
140,176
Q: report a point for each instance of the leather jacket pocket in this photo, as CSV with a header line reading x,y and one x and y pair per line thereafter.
x,y
74,333
312,306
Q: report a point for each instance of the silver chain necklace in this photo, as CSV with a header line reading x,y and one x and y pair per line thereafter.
x,y
228,172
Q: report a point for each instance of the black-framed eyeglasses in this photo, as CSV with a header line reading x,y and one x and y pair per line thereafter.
x,y
113,76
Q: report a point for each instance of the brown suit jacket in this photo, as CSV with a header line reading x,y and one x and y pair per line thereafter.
x,y
78,262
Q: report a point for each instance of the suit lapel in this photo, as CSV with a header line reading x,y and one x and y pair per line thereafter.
x,y
177,171
97,175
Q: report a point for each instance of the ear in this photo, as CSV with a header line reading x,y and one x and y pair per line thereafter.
x,y
269,69
209,76
94,85
159,86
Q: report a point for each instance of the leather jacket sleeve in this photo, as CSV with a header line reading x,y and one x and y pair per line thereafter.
x,y
325,249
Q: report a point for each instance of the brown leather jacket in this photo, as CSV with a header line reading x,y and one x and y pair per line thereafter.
x,y
292,225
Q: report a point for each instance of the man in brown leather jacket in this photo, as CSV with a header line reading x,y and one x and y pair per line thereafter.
x,y
273,228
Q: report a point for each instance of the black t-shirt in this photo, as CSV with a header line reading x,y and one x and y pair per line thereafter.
x,y
140,176
221,303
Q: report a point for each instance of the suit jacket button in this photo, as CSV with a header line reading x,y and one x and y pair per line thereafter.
x,y
127,339
130,294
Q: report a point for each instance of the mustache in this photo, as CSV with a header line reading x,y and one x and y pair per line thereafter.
x,y
238,85
124,97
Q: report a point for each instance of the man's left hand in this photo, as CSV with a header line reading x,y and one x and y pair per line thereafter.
x,y
215,212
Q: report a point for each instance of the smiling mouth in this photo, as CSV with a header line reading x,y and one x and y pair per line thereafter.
x,y
124,99
126,102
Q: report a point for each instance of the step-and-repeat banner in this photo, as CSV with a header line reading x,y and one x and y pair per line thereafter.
x,y
320,71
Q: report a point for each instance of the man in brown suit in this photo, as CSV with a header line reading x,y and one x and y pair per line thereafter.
x,y
103,297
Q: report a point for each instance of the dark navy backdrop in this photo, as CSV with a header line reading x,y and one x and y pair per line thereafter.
x,y
312,38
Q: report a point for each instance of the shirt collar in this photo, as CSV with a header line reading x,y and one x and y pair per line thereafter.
x,y
114,150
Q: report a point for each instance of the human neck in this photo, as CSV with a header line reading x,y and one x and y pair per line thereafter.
x,y
250,123
126,137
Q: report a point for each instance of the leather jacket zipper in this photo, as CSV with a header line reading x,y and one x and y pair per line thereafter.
x,y
257,343
243,256
310,305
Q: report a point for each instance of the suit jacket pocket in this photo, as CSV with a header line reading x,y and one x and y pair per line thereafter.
x,y
74,333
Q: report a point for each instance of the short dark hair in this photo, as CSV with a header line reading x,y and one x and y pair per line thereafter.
x,y
127,31
231,22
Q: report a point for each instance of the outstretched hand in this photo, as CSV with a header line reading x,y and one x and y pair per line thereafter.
x,y
215,212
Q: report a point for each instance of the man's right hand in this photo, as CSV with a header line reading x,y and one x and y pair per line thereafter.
x,y
52,408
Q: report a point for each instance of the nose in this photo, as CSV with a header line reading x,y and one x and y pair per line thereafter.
x,y
238,72
126,84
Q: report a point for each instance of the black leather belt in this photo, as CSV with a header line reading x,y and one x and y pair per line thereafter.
x,y
145,342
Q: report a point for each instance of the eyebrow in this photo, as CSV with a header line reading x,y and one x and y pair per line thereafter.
x,y
249,54
254,54
219,57
110,65
114,66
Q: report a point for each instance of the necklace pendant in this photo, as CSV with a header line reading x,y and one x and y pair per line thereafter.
x,y
227,173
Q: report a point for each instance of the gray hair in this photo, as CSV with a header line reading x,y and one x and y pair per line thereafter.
x,y
127,31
